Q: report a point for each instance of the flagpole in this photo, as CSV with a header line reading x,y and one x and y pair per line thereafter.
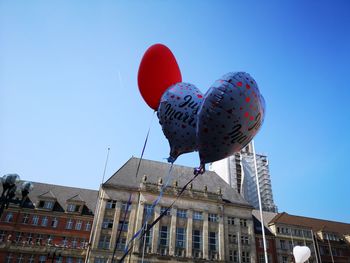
x,y
260,206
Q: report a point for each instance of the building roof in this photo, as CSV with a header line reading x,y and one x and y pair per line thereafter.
x,y
313,223
267,217
62,194
126,177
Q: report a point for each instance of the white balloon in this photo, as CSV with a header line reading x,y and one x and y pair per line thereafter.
x,y
301,254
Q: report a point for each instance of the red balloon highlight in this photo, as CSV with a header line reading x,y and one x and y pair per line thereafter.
x,y
157,72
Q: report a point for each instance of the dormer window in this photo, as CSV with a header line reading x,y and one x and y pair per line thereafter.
x,y
46,204
73,208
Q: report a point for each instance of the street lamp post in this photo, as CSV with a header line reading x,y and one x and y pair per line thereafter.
x,y
9,185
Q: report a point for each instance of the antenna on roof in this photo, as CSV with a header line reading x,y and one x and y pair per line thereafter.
x,y
104,171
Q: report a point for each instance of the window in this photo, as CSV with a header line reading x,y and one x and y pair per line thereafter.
x,y
30,238
233,256
284,259
163,209
25,219
20,258
39,239
78,225
121,244
42,259
9,217
69,260
148,209
18,237
65,241
35,220
123,227
111,204
59,259
44,221
181,213
231,220
83,243
212,217
104,242
243,222
245,257
196,240
9,258
212,242
31,259
180,237
147,238
100,260
163,236
244,240
125,206
69,224
74,242
88,226
2,235
73,208
197,215
46,204
232,238
80,260
107,223
54,222
283,244
261,243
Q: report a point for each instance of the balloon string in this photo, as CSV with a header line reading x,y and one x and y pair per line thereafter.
x,y
130,196
122,226
144,145
197,172
150,211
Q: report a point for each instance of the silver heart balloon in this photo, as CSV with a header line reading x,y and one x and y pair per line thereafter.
x,y
230,116
177,114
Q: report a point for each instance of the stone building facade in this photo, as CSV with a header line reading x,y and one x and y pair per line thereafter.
x,y
53,225
210,221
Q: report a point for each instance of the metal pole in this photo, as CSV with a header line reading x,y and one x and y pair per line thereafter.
x,y
313,240
330,248
260,206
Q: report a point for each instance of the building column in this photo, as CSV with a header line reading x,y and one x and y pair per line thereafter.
x,y
172,232
205,234
221,238
155,231
99,219
239,243
131,227
189,233
115,225
138,225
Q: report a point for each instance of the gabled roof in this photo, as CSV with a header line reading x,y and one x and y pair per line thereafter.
x,y
47,194
61,194
75,198
313,223
126,177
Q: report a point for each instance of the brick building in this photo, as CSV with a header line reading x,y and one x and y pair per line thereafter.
x,y
270,238
210,221
328,240
53,224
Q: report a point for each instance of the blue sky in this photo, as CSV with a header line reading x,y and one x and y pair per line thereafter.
x,y
68,87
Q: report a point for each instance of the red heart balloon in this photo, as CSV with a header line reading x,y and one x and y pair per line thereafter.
x,y
157,72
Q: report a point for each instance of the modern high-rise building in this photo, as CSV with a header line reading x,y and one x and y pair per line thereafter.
x,y
238,171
